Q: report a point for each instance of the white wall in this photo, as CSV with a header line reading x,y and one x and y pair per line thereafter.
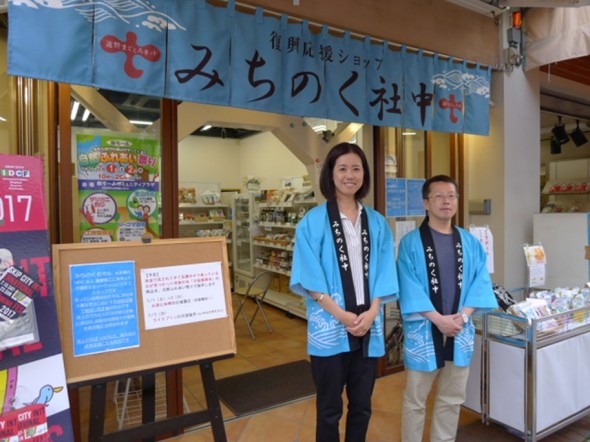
x,y
505,168
209,159
264,156
229,161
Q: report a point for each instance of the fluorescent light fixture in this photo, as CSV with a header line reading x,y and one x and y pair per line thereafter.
x,y
2,119
484,7
75,108
408,133
206,127
320,128
141,122
85,115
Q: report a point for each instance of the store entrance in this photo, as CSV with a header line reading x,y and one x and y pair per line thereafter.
x,y
252,183
251,176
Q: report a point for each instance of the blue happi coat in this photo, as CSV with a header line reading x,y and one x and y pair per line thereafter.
x,y
315,269
414,297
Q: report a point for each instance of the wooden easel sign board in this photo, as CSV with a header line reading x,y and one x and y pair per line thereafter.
x,y
127,307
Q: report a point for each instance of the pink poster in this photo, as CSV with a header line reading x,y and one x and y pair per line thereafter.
x,y
34,401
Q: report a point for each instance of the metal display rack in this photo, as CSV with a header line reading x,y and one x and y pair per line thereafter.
x,y
535,375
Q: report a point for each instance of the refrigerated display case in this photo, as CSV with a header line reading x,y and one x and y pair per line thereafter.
x,y
244,215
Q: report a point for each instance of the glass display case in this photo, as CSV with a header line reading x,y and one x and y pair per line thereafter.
x,y
243,221
536,371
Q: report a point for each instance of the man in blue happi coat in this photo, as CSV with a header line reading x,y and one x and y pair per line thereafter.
x,y
444,280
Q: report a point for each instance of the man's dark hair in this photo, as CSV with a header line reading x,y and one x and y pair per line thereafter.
x,y
437,179
326,175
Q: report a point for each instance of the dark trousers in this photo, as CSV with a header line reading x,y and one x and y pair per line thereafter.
x,y
331,374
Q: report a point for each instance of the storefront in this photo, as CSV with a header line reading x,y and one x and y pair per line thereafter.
x,y
488,167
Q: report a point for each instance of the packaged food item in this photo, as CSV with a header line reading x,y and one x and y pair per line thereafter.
x,y
533,308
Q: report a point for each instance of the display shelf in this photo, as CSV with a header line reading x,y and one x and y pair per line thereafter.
x,y
277,225
204,220
127,396
272,246
200,223
272,242
292,304
273,269
536,371
567,186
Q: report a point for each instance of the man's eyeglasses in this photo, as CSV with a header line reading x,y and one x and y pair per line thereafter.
x,y
444,197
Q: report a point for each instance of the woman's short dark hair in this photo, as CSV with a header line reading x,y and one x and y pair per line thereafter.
x,y
437,179
326,175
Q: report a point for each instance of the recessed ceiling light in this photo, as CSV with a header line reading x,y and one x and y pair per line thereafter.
x,y
141,123
75,107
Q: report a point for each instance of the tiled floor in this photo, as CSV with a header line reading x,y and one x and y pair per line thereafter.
x,y
295,422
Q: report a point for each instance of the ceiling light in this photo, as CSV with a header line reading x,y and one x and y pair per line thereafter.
x,y
2,119
578,136
206,127
85,115
75,107
141,123
559,132
408,133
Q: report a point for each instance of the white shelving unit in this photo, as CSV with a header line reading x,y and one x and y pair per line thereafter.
x,y
272,243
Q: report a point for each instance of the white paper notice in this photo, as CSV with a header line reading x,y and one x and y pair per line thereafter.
x,y
536,275
401,228
485,237
184,294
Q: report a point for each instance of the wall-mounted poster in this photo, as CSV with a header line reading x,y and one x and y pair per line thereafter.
x,y
34,402
119,187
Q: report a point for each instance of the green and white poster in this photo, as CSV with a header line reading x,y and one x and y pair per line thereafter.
x,y
119,187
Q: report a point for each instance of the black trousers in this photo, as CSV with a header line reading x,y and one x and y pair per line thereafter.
x,y
331,374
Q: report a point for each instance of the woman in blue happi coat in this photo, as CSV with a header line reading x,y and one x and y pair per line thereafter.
x,y
344,265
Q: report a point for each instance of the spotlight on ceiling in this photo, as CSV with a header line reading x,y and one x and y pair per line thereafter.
x,y
559,132
578,136
555,147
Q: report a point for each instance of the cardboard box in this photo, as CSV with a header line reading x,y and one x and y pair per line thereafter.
x,y
274,284
284,283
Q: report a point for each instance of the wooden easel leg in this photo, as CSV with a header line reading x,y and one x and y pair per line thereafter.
x,y
212,398
74,396
98,395
148,405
